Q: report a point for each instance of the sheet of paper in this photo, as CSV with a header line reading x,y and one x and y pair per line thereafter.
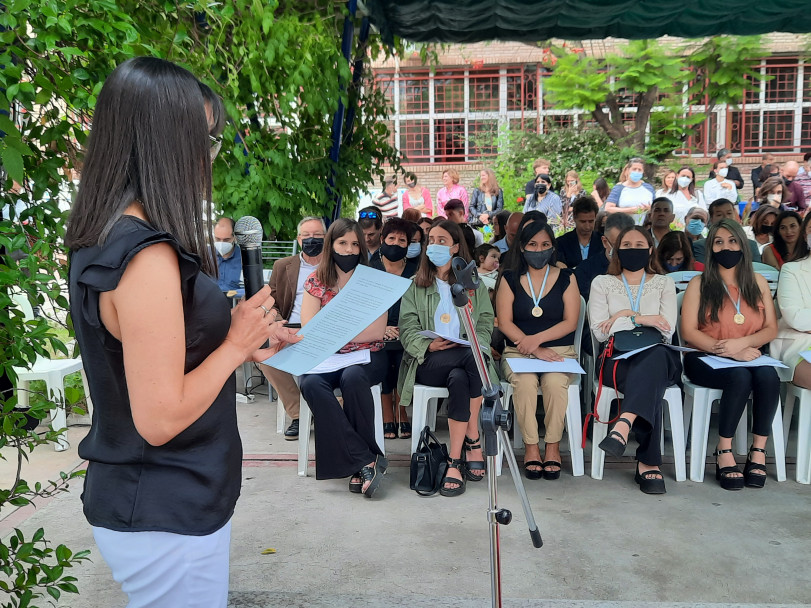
x,y
433,335
367,295
521,365
342,360
631,353
724,363
806,355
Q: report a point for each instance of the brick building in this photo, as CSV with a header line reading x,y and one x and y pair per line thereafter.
x,y
438,112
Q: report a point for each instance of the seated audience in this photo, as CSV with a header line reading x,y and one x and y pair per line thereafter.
x,y
757,179
725,156
594,266
455,211
487,199
439,362
684,194
229,258
287,289
796,196
804,177
728,311
695,221
570,192
510,228
661,216
773,193
600,192
630,296
416,246
411,215
788,244
722,209
345,444
371,223
631,195
583,242
538,306
794,327
417,198
392,258
761,226
674,253
544,200
450,190
388,201
425,223
539,166
487,257
719,186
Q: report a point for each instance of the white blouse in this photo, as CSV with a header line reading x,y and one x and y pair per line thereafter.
x,y
608,296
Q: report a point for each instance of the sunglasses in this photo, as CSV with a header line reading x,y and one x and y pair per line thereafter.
x,y
370,215
216,144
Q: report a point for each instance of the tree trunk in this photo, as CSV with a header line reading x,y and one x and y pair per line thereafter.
x,y
616,132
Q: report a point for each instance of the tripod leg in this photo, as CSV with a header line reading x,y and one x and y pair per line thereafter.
x,y
519,487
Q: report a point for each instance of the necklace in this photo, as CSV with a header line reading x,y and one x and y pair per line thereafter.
x,y
537,311
634,303
738,318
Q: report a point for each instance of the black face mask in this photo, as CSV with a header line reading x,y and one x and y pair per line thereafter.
x,y
766,229
787,181
312,246
539,259
728,258
393,253
540,188
346,263
633,259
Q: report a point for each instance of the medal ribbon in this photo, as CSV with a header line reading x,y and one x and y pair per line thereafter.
x,y
634,303
543,286
734,303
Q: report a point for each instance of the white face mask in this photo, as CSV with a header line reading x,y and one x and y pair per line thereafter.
x,y
729,160
684,181
774,198
223,248
723,172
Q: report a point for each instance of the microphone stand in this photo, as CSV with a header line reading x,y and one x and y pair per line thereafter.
x,y
495,421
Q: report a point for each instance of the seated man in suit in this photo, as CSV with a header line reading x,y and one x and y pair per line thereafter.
x,y
287,289
583,242
719,209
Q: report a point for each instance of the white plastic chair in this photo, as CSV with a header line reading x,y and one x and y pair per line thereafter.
x,y
599,430
682,277
305,423
574,420
698,402
803,396
53,372
769,273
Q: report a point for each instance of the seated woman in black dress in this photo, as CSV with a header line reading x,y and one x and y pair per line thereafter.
x,y
345,443
439,362
538,306
391,257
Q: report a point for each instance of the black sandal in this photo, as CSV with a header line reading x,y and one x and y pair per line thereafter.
x,y
405,430
459,487
551,474
390,430
530,474
470,445
356,483
751,478
650,482
724,474
613,443
372,474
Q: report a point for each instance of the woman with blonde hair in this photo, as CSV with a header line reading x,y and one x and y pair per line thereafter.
x,y
570,192
487,199
450,189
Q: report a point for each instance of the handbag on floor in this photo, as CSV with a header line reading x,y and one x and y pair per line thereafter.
x,y
429,463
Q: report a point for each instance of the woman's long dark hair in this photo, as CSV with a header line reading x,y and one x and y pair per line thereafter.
x,y
426,273
527,233
691,188
326,272
149,143
671,243
800,247
712,292
615,266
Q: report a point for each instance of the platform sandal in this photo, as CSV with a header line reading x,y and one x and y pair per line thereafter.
x,y
459,484
372,474
389,430
751,478
470,465
724,474
356,483
613,443
650,482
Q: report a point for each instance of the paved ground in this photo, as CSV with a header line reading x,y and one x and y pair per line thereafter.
x,y
606,544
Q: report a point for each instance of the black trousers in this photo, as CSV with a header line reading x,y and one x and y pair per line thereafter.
x,y
643,380
455,369
392,356
737,383
344,436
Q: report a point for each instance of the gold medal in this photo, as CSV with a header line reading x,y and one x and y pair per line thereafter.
x,y
739,319
446,318
537,311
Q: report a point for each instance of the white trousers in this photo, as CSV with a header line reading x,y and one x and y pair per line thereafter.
x,y
165,570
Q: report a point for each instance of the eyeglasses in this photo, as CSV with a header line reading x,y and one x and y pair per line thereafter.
x,y
370,215
216,144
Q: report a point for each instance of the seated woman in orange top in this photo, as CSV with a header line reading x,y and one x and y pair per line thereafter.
x,y
728,311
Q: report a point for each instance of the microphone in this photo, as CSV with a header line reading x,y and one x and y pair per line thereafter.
x,y
248,232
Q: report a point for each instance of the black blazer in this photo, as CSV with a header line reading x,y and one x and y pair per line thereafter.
x,y
569,248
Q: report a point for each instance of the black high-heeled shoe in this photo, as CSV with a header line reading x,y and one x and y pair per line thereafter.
x,y
389,430
613,443
751,478
724,474
479,465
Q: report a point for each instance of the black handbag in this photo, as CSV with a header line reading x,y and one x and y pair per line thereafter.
x,y
638,337
429,463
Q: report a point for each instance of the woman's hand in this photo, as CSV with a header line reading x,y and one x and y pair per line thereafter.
x,y
547,354
484,218
528,344
750,353
730,347
392,332
655,321
726,185
253,322
440,344
281,336
606,325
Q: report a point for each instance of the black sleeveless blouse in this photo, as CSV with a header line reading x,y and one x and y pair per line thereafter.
x,y
552,304
189,485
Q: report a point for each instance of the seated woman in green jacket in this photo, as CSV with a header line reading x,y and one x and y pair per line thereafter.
x,y
439,362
